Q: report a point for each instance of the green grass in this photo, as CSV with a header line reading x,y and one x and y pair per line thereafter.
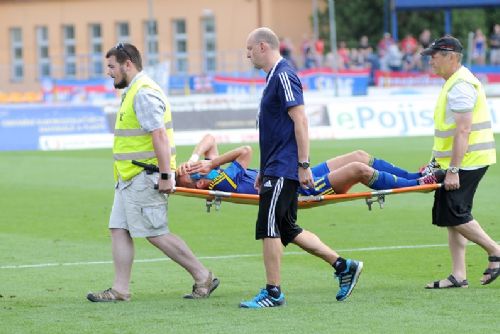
x,y
54,208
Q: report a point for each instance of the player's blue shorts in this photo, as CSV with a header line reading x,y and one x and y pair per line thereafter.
x,y
322,185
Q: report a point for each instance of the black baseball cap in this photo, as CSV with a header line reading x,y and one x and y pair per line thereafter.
x,y
446,43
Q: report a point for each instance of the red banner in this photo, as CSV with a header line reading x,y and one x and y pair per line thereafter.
x,y
409,79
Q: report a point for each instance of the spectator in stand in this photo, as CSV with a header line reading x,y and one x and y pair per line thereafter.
x,y
495,45
368,57
479,48
394,58
356,59
364,43
319,47
344,55
411,59
409,44
372,62
308,52
425,40
286,50
382,50
310,58
333,61
384,43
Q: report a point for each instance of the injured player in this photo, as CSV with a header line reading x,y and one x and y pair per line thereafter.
x,y
334,176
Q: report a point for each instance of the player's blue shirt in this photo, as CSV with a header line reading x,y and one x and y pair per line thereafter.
x,y
278,146
235,179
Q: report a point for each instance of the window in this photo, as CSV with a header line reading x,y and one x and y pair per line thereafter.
x,y
16,50
96,63
122,32
209,45
69,51
180,47
42,52
152,56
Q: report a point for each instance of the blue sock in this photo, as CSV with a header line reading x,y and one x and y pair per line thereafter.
x,y
385,166
383,180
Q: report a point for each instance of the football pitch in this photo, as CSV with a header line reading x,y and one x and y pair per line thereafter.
x,y
55,247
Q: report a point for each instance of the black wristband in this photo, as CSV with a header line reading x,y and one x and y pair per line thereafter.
x,y
304,164
165,176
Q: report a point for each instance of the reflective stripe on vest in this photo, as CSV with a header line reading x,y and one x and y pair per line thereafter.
x,y
451,133
138,155
471,148
137,132
133,143
481,143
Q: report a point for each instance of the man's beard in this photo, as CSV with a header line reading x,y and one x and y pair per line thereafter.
x,y
121,84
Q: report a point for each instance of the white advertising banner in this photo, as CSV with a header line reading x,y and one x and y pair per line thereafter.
x,y
390,116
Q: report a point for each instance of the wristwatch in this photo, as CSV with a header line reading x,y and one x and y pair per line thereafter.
x,y
165,176
453,170
304,164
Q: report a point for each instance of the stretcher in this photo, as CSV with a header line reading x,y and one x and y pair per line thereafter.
x,y
214,198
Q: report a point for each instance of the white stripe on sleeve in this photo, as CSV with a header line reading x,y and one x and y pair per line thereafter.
x,y
285,82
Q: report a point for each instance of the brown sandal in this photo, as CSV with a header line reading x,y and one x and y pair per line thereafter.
x,y
108,295
204,290
453,281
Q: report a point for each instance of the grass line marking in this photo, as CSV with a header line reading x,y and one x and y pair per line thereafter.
x,y
219,257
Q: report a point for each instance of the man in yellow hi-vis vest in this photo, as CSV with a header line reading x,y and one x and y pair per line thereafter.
x,y
143,132
465,147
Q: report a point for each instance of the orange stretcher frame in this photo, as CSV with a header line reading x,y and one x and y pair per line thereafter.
x,y
215,197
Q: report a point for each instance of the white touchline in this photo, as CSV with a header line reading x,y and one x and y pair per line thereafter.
x,y
219,257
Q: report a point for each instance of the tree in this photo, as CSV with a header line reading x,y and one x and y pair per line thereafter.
x,y
355,18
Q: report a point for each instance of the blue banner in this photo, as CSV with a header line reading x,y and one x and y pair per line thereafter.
x,y
23,126
347,83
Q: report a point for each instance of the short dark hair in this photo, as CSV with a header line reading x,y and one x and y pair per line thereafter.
x,y
124,51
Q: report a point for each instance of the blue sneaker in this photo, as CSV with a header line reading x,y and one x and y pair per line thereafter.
x,y
348,278
264,300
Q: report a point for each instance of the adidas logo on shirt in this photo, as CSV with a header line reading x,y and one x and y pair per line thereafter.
x,y
268,184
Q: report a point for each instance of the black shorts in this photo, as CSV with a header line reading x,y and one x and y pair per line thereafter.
x,y
452,208
278,210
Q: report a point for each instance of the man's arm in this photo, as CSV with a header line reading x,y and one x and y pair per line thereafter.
x,y
161,146
461,138
207,147
150,108
461,101
299,118
460,145
242,154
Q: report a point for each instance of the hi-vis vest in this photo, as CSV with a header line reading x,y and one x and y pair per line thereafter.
x,y
133,143
481,150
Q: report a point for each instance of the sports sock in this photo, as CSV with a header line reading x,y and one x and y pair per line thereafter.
x,y
385,166
383,180
340,265
273,290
